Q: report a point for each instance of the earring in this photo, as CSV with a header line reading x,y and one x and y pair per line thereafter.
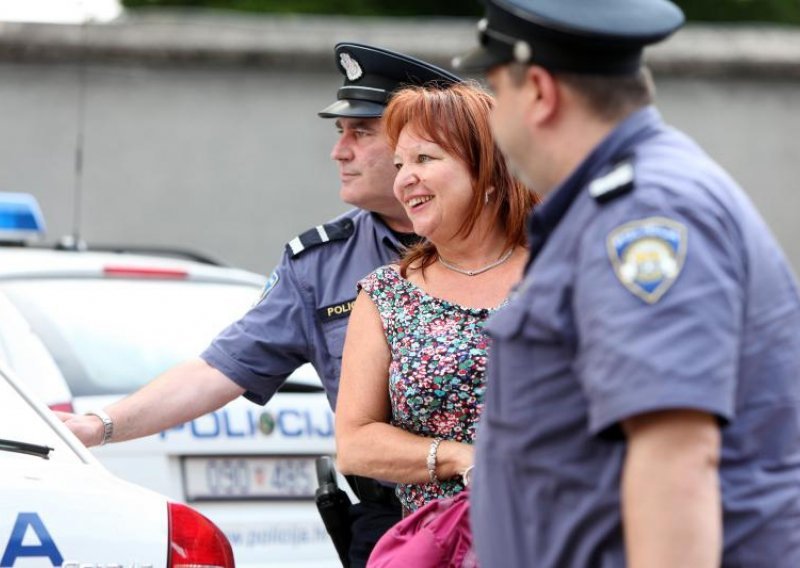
x,y
486,199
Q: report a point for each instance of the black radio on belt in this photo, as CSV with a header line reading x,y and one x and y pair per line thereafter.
x,y
334,508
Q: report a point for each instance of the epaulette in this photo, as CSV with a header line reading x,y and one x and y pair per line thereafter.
x,y
615,183
336,231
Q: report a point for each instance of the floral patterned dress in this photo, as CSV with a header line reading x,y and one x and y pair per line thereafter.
x,y
437,376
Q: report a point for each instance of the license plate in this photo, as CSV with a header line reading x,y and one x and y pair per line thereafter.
x,y
249,477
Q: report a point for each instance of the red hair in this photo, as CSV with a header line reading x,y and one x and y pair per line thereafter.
x,y
457,119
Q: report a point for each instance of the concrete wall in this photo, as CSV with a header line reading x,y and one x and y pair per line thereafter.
x,y
232,162
202,132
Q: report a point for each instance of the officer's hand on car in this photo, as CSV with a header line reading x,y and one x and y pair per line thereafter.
x,y
87,428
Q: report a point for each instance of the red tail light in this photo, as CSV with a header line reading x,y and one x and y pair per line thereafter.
x,y
196,542
62,407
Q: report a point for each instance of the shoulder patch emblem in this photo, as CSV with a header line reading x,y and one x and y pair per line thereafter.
x,y
648,255
351,67
336,231
613,184
272,281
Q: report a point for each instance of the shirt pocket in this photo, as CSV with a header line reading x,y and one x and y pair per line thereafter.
x,y
505,323
530,356
334,333
533,321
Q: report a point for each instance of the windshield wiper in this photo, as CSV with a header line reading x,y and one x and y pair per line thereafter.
x,y
25,448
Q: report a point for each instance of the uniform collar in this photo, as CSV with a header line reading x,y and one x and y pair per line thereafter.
x,y
386,235
616,146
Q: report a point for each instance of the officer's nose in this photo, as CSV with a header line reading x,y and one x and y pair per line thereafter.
x,y
341,151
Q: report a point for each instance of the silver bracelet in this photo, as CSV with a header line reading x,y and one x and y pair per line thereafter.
x,y
467,475
108,424
431,461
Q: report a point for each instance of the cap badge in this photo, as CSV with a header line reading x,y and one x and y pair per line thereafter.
x,y
648,255
522,51
351,67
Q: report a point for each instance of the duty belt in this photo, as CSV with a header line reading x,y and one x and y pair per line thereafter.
x,y
372,491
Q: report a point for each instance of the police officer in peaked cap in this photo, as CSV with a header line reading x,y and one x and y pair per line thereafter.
x,y
643,406
303,311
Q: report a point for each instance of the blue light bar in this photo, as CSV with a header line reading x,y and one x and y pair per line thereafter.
x,y
21,218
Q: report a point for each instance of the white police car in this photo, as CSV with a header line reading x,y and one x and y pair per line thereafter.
x,y
59,507
84,328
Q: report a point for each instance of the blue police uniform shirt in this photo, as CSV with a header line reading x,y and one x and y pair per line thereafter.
x,y
656,285
302,316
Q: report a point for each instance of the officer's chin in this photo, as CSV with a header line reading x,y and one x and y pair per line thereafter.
x,y
348,193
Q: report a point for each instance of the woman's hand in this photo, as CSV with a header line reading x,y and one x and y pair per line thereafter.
x,y
453,458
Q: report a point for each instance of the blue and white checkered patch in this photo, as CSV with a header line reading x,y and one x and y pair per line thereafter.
x,y
648,255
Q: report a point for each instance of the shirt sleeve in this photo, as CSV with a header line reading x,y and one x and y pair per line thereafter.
x,y
381,287
264,347
371,285
676,348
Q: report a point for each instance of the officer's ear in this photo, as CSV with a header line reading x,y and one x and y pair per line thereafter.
x,y
544,95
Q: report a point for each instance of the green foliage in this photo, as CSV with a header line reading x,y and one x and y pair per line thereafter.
x,y
349,7
783,11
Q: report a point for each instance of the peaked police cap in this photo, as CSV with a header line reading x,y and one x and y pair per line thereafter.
x,y
372,74
602,37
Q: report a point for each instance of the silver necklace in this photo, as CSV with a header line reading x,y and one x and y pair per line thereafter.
x,y
480,270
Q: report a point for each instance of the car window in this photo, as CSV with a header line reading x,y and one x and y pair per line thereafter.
x,y
20,421
110,336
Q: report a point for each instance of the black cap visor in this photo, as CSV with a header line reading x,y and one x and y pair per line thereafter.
x,y
479,60
352,108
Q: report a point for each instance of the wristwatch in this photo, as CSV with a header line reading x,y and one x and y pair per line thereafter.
x,y
108,424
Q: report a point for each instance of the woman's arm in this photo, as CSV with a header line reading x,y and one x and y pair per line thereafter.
x,y
366,443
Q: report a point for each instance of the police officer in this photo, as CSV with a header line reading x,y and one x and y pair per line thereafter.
x,y
302,314
642,407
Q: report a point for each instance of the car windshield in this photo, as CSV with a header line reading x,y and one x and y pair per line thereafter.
x,y
111,336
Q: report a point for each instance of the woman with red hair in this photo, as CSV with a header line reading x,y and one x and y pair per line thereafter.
x,y
413,373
